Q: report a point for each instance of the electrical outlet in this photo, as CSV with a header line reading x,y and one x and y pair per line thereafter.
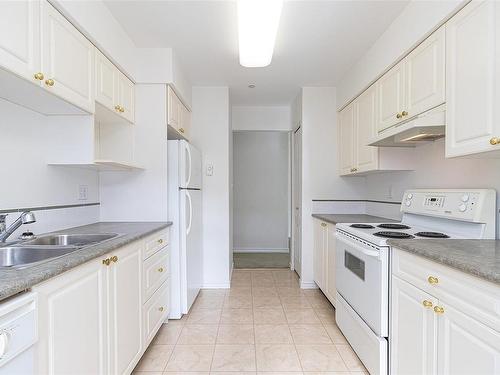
x,y
210,169
83,192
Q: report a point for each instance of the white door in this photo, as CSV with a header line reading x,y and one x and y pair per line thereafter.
x,y
20,37
67,60
466,346
105,77
472,66
126,97
72,322
425,74
346,140
413,334
191,246
124,314
297,200
331,289
391,97
366,129
320,243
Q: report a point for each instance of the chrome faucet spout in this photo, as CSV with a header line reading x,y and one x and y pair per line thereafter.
x,y
26,217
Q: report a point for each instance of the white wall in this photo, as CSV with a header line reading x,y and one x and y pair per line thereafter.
x,y
416,21
141,195
261,201
211,134
320,178
261,118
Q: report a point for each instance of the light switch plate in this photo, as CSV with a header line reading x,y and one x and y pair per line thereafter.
x,y
83,192
210,169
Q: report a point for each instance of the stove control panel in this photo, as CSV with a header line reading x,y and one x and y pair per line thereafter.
x,y
475,205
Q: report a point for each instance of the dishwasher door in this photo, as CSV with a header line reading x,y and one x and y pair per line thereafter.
x,y
18,334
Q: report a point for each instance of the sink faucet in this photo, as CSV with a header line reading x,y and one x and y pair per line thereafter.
x,y
26,217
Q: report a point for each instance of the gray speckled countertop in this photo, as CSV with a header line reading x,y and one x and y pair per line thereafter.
x,y
13,281
480,258
351,218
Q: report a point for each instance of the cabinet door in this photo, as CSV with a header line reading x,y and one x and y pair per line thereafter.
x,y
72,322
391,97
67,60
413,334
346,140
173,110
425,71
331,290
19,37
366,129
472,63
126,96
465,345
105,81
125,310
185,123
320,239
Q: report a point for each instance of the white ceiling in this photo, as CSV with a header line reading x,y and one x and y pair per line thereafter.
x,y
317,42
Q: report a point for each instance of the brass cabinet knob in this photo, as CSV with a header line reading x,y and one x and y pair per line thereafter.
x,y
39,76
49,82
106,261
181,130
432,280
323,224
399,115
404,113
438,310
494,141
160,269
117,108
161,308
160,241
114,258
427,304
122,109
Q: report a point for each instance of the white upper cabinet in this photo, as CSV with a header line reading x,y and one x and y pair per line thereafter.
x,y
19,37
105,81
178,116
67,60
173,104
346,140
365,114
472,79
126,96
391,97
425,75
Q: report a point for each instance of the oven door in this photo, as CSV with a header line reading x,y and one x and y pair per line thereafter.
x,y
363,280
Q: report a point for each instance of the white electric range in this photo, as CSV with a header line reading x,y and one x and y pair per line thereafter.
x,y
363,260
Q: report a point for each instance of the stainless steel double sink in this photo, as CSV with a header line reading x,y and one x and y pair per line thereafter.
x,y
47,247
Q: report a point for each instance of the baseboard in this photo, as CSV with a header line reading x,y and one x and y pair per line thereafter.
x,y
216,286
308,285
260,250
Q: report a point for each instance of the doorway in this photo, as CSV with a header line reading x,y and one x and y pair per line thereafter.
x,y
261,193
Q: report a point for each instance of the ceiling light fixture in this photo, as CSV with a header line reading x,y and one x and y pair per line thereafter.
x,y
258,22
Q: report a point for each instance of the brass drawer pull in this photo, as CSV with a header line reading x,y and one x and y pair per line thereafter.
x,y
427,304
432,280
439,310
114,258
106,261
161,308
160,269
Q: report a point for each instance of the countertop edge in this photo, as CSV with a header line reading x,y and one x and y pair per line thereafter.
x,y
328,218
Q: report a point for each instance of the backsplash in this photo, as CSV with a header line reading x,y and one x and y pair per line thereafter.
x,y
386,209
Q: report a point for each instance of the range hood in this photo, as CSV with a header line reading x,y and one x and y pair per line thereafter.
x,y
425,127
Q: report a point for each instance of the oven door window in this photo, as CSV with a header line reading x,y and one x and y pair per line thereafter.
x,y
355,265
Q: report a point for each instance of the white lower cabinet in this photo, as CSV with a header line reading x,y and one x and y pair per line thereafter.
x,y
93,320
324,258
438,327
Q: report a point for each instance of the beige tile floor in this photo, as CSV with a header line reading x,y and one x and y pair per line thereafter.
x,y
264,324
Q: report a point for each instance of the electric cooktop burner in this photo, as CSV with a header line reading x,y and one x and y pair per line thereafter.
x,y
432,235
362,226
393,226
390,234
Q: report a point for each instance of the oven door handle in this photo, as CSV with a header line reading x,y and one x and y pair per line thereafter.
x,y
367,252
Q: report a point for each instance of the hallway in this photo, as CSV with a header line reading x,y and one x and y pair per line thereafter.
x,y
264,323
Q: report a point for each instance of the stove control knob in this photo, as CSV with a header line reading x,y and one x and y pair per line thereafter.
x,y
408,203
409,196
465,197
462,207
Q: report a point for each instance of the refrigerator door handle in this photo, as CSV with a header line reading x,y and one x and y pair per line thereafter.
x,y
189,162
188,196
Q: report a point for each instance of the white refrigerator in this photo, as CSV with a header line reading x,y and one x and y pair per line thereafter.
x,y
184,208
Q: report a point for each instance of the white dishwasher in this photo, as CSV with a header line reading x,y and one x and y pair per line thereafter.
x,y
18,334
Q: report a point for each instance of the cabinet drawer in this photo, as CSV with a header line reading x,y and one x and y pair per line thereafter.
x,y
155,271
155,311
469,294
155,242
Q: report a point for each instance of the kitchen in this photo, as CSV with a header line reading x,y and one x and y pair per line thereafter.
x,y
117,124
